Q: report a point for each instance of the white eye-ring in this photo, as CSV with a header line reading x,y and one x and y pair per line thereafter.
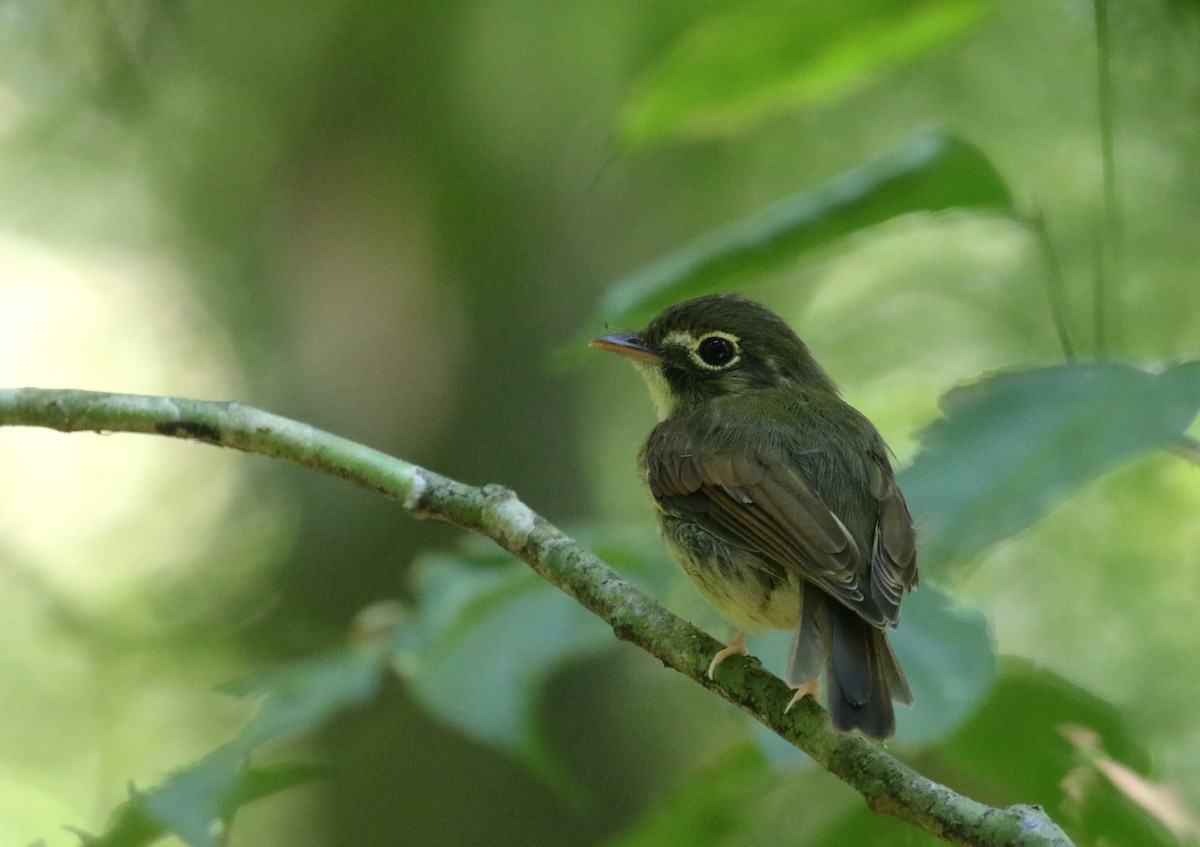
x,y
715,351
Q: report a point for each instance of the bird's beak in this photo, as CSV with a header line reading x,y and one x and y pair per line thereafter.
x,y
627,344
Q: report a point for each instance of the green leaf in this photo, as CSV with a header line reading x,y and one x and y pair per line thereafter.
x,y
489,633
930,172
203,786
711,807
741,800
483,645
949,659
747,61
193,803
1016,750
197,802
1012,446
302,695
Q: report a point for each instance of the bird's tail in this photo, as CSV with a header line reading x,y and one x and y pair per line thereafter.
x,y
864,675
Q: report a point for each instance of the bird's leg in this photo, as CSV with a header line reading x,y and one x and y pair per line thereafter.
x,y
736,647
809,689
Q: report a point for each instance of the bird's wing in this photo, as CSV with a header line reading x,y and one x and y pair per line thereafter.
x,y
894,547
761,500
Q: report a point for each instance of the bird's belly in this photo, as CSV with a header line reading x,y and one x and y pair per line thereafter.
x,y
749,591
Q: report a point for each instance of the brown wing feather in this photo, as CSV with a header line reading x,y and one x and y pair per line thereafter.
x,y
764,503
894,547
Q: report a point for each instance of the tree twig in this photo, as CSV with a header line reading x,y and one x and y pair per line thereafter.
x,y
887,785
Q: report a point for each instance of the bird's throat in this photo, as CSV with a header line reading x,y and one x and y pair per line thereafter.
x,y
660,391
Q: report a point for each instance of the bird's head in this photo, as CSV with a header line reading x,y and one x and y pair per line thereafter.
x,y
713,346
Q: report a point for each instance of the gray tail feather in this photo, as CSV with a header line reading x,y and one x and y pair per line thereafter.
x,y
809,652
865,676
897,685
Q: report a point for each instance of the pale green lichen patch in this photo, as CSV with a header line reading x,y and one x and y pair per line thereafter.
x,y
506,517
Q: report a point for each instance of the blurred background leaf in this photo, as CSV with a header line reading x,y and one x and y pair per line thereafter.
x,y
947,654
484,654
1014,445
745,61
1018,734
198,803
476,653
929,173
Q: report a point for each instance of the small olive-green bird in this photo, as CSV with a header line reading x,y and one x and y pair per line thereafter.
x,y
777,498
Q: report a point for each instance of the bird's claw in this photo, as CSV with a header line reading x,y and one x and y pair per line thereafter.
x,y
736,647
811,689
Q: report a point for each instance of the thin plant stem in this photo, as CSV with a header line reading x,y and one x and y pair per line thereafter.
x,y
1109,257
1053,279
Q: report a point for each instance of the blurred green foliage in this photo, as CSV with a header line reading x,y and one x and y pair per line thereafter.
x,y
737,64
1012,446
393,213
930,173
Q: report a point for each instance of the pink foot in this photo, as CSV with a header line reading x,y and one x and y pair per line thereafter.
x,y
812,689
737,647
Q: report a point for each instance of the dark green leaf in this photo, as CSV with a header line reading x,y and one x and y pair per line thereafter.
x,y
741,800
1016,751
1014,742
257,783
931,172
749,60
483,645
1012,446
711,807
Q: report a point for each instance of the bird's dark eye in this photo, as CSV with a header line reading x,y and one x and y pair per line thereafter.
x,y
716,351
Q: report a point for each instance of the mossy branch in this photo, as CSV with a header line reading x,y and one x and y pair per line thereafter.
x,y
887,785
